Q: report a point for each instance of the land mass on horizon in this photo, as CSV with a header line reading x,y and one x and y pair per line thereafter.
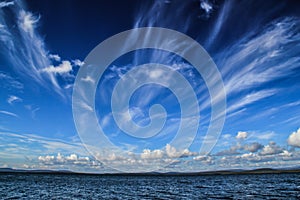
x,y
218,172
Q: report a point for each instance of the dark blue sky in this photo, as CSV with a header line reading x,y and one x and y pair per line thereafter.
x,y
75,27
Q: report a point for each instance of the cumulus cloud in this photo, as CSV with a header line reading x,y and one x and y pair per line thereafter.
x,y
55,57
204,159
256,155
63,68
286,153
68,161
241,148
167,155
78,63
271,149
241,135
172,152
13,99
155,154
233,150
294,139
253,147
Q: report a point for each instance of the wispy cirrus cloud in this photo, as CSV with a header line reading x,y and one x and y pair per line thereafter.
x,y
10,83
33,145
13,99
241,135
9,113
260,57
55,57
34,54
248,99
34,62
6,3
220,22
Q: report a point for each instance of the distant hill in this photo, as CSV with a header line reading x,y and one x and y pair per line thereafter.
x,y
221,172
8,170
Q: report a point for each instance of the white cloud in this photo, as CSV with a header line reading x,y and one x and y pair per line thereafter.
x,y
286,153
253,147
68,86
25,145
294,139
60,159
88,79
233,150
172,152
147,157
204,159
239,149
86,106
6,3
55,57
264,136
13,99
27,21
241,135
249,99
156,73
155,154
271,149
46,158
220,22
33,110
206,5
252,72
63,68
78,63
226,136
8,113
14,146
261,56
9,82
21,32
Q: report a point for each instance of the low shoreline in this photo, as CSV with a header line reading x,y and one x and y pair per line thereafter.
x,y
203,173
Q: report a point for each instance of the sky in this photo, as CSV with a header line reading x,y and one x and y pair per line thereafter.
x,y
47,46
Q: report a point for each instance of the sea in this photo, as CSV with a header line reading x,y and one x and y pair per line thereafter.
x,y
74,186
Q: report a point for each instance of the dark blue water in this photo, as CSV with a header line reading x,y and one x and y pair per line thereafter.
x,y
52,186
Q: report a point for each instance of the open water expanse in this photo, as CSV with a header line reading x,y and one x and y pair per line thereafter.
x,y
59,186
